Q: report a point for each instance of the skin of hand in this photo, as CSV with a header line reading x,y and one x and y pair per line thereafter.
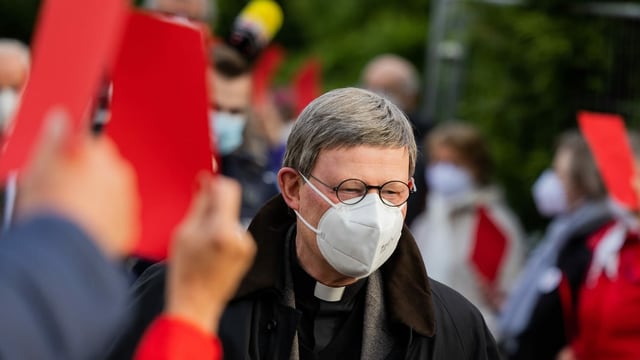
x,y
85,180
269,120
566,354
210,254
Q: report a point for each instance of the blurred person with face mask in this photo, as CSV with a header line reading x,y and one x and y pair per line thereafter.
x,y
14,69
536,321
607,318
398,80
237,132
461,200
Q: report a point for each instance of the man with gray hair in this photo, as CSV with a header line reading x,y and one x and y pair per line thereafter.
x,y
14,68
337,275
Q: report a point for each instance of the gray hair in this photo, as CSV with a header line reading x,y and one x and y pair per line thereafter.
x,y
345,118
584,174
8,46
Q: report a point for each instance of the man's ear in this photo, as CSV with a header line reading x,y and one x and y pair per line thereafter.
x,y
290,184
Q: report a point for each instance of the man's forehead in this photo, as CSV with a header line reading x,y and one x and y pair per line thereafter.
x,y
234,92
363,158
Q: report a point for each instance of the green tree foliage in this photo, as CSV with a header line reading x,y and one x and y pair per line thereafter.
x,y
530,69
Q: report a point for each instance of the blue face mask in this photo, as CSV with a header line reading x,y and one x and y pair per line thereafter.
x,y
227,129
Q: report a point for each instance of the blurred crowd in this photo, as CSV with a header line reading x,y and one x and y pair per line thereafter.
x,y
314,242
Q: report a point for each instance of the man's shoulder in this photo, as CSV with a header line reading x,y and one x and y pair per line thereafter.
x,y
451,304
459,326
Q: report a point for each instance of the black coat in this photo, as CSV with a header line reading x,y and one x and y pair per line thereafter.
x,y
430,320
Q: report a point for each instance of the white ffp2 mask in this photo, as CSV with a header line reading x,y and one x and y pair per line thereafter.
x,y
357,239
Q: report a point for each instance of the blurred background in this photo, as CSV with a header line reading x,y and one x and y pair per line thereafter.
x,y
518,70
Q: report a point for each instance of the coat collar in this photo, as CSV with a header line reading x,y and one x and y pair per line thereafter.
x,y
406,285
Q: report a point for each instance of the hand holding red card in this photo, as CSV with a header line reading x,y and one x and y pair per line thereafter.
x,y
607,138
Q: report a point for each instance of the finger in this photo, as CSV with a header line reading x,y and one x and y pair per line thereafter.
x,y
227,198
201,200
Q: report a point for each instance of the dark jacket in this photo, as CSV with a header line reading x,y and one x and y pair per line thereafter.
x,y
430,320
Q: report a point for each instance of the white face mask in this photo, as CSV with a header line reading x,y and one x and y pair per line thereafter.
x,y
448,180
357,239
549,194
228,129
8,104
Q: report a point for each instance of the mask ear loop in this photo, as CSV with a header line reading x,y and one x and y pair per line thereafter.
x,y
323,196
315,189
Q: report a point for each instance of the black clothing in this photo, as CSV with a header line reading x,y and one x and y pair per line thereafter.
x,y
259,183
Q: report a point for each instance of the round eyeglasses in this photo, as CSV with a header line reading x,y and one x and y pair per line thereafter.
x,y
352,191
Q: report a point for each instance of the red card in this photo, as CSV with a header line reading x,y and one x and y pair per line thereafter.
x,y
264,70
609,144
159,120
489,248
307,84
73,47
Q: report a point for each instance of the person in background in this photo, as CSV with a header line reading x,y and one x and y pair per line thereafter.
x,y
468,237
607,316
275,116
237,132
397,79
14,70
536,320
15,64
196,10
337,274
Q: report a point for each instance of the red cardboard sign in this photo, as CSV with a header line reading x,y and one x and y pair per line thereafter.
x,y
609,144
159,120
489,247
307,84
73,46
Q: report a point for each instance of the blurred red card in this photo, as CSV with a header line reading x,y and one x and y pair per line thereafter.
x,y
607,138
159,120
73,46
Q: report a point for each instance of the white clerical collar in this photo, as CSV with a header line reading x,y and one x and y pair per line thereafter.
x,y
328,293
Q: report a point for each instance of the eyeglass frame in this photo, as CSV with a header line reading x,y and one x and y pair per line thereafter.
x,y
412,190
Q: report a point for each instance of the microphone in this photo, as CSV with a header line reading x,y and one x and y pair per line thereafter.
x,y
255,27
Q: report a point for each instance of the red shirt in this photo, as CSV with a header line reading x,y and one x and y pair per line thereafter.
x,y
170,338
